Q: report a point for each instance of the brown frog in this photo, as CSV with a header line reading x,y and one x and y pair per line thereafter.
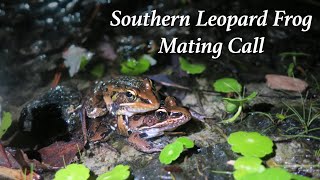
x,y
124,95
141,127
152,124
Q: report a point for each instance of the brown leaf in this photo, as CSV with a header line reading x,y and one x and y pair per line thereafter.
x,y
59,151
281,82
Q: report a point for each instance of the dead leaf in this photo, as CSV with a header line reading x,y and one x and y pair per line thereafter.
x,y
54,154
281,82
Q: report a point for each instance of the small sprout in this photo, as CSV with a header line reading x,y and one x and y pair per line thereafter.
x,y
172,151
73,172
247,165
232,105
191,68
290,70
227,85
135,67
186,142
250,144
98,71
5,123
120,172
281,117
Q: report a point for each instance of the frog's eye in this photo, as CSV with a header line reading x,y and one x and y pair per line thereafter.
x,y
131,95
161,114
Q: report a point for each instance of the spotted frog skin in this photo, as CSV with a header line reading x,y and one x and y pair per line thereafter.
x,y
124,95
142,127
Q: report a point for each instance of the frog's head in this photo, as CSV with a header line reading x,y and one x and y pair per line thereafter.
x,y
130,95
166,118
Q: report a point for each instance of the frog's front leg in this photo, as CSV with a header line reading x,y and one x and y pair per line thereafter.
x,y
142,144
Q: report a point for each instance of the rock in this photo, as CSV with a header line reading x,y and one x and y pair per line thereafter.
x,y
281,82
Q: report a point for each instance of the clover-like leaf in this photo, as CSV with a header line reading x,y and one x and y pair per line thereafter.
x,y
188,143
171,152
135,67
5,123
73,172
250,144
120,172
247,165
191,68
227,85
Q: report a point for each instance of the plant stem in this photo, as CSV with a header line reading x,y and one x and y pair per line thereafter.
x,y
234,117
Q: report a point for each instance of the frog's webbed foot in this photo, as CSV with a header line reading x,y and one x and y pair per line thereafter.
x,y
142,145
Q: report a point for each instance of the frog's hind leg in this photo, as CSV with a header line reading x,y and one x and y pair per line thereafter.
x,y
141,144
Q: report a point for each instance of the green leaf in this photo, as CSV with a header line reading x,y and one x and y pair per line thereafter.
x,y
276,174
227,85
290,70
191,68
98,71
231,106
170,152
120,172
5,123
188,143
134,67
247,165
73,172
250,144
242,100
84,62
251,96
273,174
285,54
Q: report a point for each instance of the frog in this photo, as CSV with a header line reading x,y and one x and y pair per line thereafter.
x,y
125,95
121,96
142,127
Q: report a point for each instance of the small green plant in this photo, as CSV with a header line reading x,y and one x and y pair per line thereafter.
x,y
254,146
135,67
120,172
81,172
73,172
294,55
251,144
306,118
232,105
172,151
191,68
5,123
